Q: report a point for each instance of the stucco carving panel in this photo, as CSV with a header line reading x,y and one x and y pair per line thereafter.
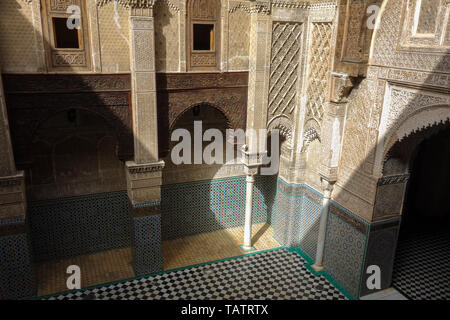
x,y
114,38
166,37
284,65
386,46
238,37
319,69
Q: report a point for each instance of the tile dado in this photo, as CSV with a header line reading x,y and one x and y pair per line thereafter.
x,y
81,225
296,224
296,216
147,244
16,270
381,247
206,206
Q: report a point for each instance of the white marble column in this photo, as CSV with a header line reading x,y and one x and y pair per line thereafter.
x,y
250,181
252,162
328,189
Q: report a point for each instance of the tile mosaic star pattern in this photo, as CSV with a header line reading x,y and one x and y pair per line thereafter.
x,y
422,270
278,274
69,227
207,206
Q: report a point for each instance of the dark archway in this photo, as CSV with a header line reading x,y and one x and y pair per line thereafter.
x,y
421,268
74,152
77,201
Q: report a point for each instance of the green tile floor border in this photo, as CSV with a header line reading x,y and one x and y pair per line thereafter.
x,y
296,250
322,273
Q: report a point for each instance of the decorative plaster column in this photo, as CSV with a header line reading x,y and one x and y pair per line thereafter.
x,y
332,133
16,274
144,174
259,69
328,189
258,83
143,82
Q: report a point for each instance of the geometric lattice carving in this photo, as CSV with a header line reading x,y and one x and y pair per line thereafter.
x,y
284,68
319,66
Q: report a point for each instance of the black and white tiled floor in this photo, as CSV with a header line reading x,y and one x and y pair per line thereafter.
x,y
422,266
275,275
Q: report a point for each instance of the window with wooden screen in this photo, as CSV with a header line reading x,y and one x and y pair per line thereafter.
x,y
65,34
203,35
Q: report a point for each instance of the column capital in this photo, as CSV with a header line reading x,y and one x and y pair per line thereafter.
x,y
12,197
135,168
251,160
144,182
250,178
327,187
341,85
328,172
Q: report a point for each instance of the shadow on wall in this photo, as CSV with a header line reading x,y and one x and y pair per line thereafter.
x,y
198,198
354,243
71,134
162,21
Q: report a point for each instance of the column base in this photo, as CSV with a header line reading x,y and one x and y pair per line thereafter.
x,y
247,248
317,268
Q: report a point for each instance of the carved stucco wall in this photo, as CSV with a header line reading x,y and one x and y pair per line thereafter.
x,y
17,39
284,72
114,29
21,40
319,68
238,36
167,36
170,35
406,89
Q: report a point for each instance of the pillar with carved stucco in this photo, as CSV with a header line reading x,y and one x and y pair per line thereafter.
x,y
16,276
259,65
333,125
259,68
144,174
332,132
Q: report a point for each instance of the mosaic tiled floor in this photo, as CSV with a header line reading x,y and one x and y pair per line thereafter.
x,y
115,265
275,274
422,266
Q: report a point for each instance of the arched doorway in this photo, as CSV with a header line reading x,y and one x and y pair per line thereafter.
x,y
207,117
74,153
421,268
